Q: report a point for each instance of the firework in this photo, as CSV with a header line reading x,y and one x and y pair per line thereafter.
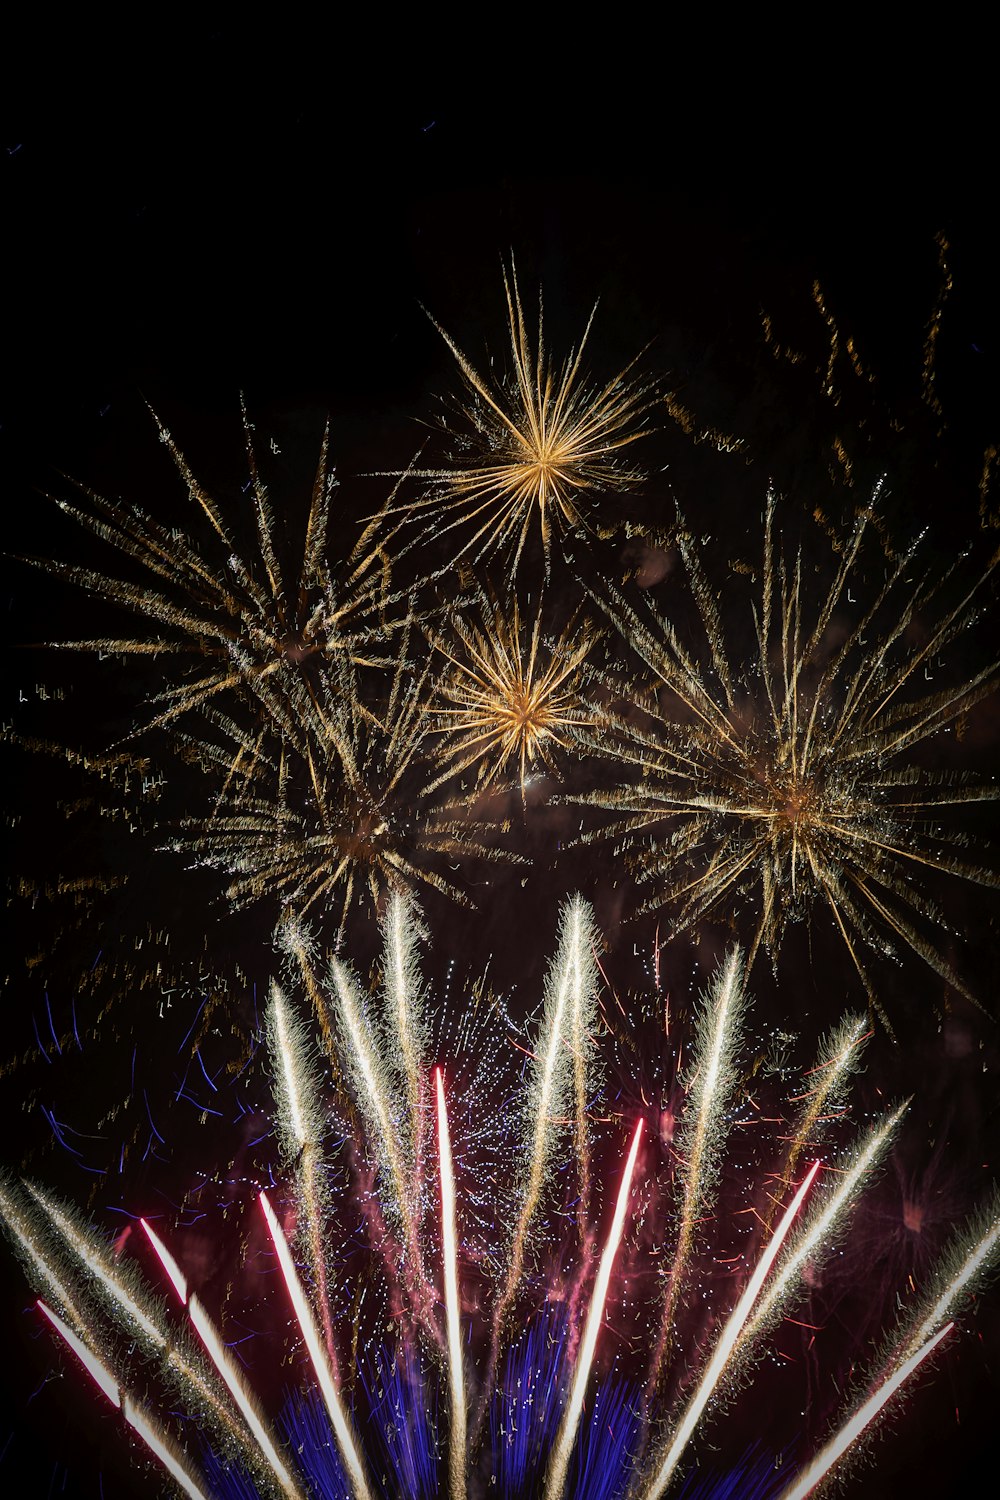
x,y
508,702
789,778
339,805
249,625
535,447
541,1443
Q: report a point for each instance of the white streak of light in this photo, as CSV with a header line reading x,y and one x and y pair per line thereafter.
x,y
159,1444
595,1317
94,1367
173,1270
855,1426
230,1372
457,1441
318,1356
726,1343
977,1259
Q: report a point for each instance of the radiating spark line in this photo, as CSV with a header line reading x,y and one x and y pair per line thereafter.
x,y
108,1276
725,1346
855,1426
402,983
456,1368
367,1069
966,1260
94,1366
231,1374
838,1057
342,1425
568,976
566,1439
160,1445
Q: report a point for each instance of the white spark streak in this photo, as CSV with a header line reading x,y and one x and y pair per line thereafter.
x,y
726,1344
855,1426
318,1355
456,1443
571,1420
224,1363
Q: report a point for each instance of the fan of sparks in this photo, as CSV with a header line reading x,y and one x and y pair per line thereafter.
x,y
531,449
453,1402
792,776
249,624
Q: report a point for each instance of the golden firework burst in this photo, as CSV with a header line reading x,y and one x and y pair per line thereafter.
x,y
789,779
531,447
333,804
249,624
508,700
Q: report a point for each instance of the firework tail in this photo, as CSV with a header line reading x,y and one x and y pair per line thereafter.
x,y
820,1226
337,1412
566,1439
838,1058
81,1337
373,1086
21,1223
302,1128
456,1371
571,970
228,1369
582,1049
724,1348
159,1443
294,939
141,1316
966,1262
856,1425
403,1010
717,1034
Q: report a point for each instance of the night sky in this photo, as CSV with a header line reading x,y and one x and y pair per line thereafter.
x,y
195,214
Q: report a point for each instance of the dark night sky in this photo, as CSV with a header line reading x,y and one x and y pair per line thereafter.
x,y
197,213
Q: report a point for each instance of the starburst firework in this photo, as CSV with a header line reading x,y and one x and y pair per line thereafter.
x,y
509,702
787,776
250,624
533,447
386,1434
337,805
